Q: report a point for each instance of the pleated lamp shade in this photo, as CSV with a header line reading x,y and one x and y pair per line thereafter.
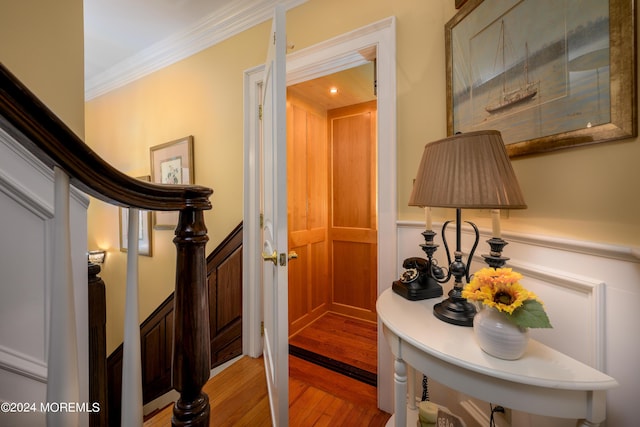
x,y
469,170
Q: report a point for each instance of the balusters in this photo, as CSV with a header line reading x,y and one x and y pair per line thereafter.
x,y
131,360
62,360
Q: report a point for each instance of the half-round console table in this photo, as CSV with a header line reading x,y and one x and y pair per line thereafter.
x,y
544,381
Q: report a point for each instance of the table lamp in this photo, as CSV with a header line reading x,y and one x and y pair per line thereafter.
x,y
465,171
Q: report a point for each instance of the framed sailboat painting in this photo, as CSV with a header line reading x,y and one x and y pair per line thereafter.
x,y
547,74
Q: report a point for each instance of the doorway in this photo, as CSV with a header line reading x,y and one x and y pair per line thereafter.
x,y
332,217
324,58
332,196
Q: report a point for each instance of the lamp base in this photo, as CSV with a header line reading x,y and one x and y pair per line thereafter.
x,y
457,311
417,290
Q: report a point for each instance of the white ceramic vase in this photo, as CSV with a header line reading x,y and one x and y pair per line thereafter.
x,y
498,336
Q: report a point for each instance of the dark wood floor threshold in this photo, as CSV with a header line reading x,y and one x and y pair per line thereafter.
x,y
335,365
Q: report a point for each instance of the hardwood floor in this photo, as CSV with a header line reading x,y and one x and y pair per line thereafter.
x,y
237,395
342,338
320,397
323,397
317,396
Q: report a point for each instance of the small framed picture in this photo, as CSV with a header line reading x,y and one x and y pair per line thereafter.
x,y
144,228
171,163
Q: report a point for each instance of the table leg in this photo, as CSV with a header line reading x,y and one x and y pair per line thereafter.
x,y
400,380
411,386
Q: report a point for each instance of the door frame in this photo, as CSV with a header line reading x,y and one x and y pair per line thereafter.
x,y
333,55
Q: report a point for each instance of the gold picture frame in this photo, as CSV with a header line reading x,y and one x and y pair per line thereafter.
x,y
171,163
144,228
579,63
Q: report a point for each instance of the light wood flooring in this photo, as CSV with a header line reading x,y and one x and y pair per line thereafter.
x,y
317,396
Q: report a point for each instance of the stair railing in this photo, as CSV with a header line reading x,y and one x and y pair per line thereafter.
x,y
32,124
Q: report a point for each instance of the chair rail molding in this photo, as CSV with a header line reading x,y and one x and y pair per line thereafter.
x,y
617,252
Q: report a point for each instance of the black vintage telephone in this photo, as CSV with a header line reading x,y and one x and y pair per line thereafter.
x,y
417,282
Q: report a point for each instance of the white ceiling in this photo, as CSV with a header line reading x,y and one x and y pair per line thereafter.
x,y
118,29
126,39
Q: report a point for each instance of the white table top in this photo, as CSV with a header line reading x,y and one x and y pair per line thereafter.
x,y
542,366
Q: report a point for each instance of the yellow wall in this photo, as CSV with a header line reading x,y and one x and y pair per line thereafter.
x,y
200,96
584,193
42,43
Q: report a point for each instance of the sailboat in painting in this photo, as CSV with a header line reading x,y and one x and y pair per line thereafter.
x,y
524,92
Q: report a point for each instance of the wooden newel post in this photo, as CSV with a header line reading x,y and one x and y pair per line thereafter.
x,y
191,348
97,347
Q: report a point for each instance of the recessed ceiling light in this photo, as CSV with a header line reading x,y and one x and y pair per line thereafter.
x,y
333,90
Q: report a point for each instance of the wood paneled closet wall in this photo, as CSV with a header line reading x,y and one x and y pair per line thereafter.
x,y
332,199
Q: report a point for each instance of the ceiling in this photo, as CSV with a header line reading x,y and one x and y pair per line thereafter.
x,y
125,40
116,30
353,86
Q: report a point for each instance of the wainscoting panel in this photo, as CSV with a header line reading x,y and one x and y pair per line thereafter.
x,y
156,339
224,275
574,303
26,209
591,291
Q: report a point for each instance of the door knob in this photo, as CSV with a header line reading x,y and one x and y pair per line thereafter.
x,y
293,255
273,257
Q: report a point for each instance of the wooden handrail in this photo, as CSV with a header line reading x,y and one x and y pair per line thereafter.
x,y
31,123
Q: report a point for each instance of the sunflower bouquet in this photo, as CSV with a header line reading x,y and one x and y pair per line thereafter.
x,y
500,288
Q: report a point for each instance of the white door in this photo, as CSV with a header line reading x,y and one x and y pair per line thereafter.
x,y
274,232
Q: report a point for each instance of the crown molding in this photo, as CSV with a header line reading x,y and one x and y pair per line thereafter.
x,y
233,19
